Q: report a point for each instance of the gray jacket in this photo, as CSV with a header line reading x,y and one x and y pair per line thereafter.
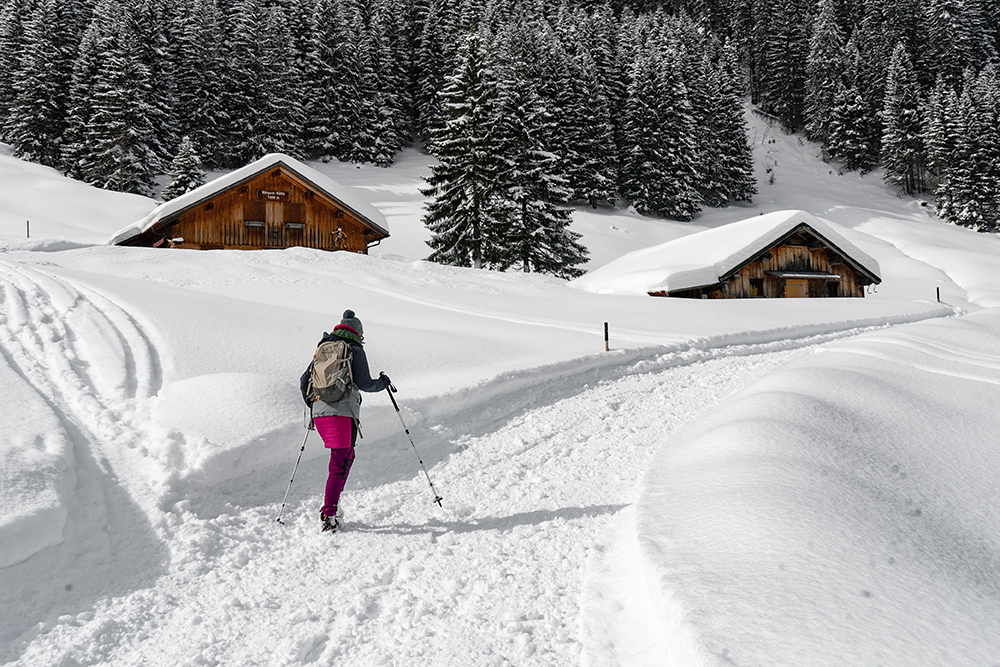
x,y
350,404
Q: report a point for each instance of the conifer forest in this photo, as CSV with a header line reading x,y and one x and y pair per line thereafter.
x,y
527,106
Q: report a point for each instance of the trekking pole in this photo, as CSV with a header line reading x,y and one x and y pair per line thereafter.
x,y
309,428
391,390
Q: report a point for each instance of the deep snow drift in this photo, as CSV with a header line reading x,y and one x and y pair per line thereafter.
x,y
156,419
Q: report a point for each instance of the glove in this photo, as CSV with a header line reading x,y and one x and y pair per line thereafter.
x,y
383,376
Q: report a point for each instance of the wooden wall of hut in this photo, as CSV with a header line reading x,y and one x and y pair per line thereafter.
x,y
799,254
273,210
753,279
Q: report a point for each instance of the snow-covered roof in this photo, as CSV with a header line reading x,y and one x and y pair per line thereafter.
x,y
704,258
322,183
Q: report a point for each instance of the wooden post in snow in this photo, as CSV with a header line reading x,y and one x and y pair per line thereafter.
x,y
606,348
27,227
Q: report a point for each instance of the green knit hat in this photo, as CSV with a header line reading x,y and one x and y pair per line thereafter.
x,y
351,322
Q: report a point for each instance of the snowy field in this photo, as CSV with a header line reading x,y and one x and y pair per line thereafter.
x,y
780,482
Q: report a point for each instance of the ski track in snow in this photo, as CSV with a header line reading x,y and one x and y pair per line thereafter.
x,y
51,333
514,569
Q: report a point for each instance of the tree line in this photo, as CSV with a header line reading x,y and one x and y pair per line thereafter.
x,y
528,105
908,85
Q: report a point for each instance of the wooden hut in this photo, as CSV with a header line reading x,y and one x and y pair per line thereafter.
x,y
786,254
275,202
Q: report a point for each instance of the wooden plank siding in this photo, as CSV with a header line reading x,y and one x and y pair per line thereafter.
x,y
794,258
274,209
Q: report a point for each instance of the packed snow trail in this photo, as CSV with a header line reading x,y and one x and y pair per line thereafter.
x,y
496,577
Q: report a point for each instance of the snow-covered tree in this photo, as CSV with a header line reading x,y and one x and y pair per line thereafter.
x,y
283,116
592,167
465,215
120,132
198,113
728,169
852,138
660,151
431,66
244,96
531,185
331,75
824,71
186,173
36,117
15,14
942,136
97,41
903,153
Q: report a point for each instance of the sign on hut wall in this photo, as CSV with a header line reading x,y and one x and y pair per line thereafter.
x,y
273,195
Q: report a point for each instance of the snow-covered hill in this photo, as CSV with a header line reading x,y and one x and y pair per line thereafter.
x,y
155,420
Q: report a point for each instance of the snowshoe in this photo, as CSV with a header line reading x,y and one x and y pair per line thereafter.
x,y
330,523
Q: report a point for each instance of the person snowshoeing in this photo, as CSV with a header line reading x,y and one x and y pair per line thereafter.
x,y
336,412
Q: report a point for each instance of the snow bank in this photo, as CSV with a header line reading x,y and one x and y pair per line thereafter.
x,y
968,259
55,205
218,426
702,258
42,245
842,511
36,471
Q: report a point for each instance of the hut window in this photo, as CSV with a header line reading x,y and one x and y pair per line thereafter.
x,y
254,212
293,214
756,287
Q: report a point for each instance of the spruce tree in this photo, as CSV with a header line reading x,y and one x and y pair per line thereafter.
x,y
152,21
120,132
968,205
465,215
283,116
431,66
731,163
15,15
244,95
642,141
531,184
942,137
97,40
374,138
973,174
825,72
660,172
37,114
852,137
332,76
902,143
185,171
198,112
593,176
